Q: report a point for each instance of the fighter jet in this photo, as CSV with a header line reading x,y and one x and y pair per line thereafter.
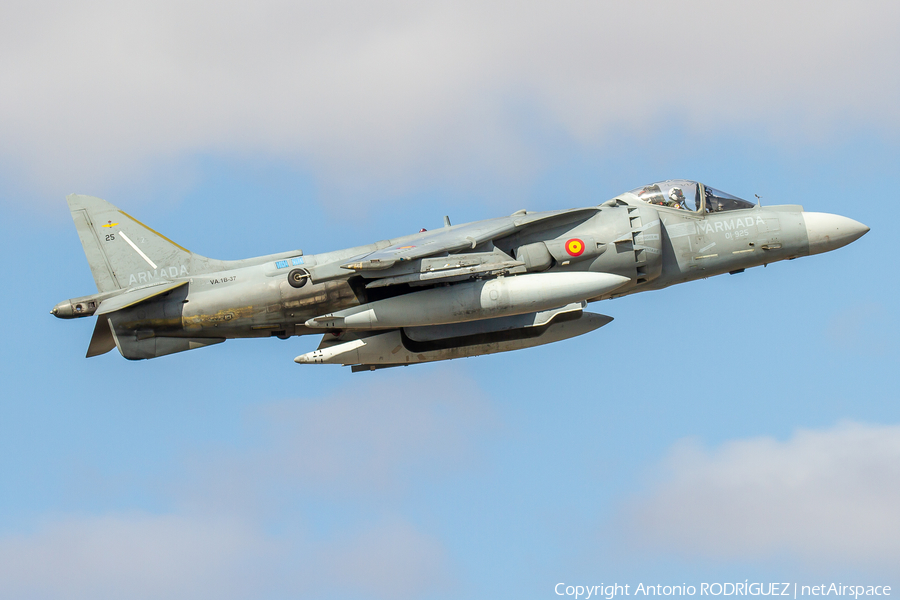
x,y
459,291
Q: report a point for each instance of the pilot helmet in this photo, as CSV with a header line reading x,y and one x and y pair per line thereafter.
x,y
676,195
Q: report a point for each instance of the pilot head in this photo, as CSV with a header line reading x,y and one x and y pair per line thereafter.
x,y
676,195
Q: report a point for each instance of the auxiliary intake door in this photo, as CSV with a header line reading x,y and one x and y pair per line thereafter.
x,y
644,241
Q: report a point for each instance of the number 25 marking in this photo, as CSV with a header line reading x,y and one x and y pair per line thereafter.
x,y
110,237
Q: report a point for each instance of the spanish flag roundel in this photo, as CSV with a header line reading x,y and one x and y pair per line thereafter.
x,y
575,247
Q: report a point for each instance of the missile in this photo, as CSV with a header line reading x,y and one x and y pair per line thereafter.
x,y
474,300
445,342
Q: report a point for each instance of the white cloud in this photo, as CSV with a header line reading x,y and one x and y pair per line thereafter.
x,y
825,497
307,506
130,556
402,93
389,560
194,557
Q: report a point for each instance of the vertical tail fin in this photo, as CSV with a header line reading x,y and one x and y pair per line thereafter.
x,y
123,252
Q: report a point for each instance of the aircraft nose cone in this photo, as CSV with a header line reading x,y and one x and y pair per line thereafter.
x,y
828,232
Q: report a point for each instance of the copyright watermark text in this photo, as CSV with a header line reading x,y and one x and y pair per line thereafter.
x,y
744,588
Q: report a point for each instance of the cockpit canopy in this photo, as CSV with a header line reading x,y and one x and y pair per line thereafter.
x,y
689,195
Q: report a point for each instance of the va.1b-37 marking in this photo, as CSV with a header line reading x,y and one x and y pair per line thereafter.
x,y
479,288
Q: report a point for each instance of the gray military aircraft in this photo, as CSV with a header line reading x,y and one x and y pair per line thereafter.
x,y
464,290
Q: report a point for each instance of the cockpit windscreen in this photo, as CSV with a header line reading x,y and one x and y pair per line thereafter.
x,y
717,201
674,193
685,195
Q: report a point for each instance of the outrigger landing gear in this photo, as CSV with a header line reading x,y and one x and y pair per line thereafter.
x,y
298,278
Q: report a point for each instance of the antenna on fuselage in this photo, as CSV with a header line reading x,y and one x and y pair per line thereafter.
x,y
758,200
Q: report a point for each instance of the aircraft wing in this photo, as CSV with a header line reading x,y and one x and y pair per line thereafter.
x,y
453,239
448,239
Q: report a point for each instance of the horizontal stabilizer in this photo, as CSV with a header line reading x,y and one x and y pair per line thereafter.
x,y
136,297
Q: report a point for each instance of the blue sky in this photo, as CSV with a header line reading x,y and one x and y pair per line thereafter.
x,y
740,427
